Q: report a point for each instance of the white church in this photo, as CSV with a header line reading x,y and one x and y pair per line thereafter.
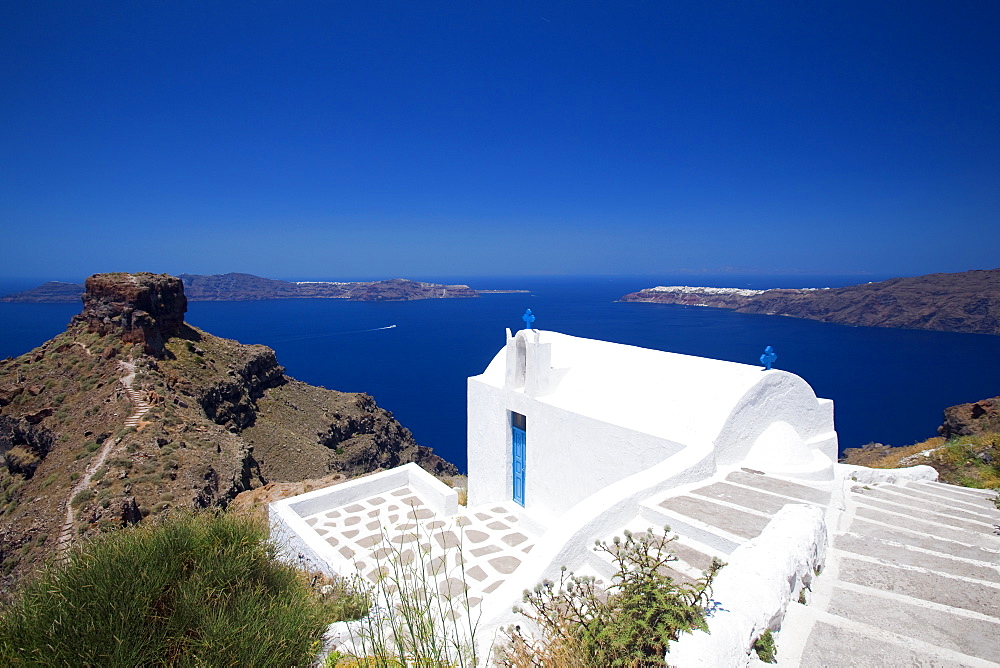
x,y
555,419
573,440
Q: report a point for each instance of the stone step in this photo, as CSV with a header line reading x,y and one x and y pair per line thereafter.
x,y
734,519
778,486
905,556
894,494
746,497
927,516
973,504
836,644
934,529
921,540
969,635
951,591
690,528
953,491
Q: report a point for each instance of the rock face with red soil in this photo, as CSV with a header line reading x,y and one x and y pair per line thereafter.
x,y
138,308
970,419
963,302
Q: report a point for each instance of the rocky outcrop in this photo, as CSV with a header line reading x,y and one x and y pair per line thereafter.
x,y
121,511
23,445
233,403
301,430
370,439
137,308
970,419
962,302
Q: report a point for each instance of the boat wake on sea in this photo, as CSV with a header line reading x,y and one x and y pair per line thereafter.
x,y
286,339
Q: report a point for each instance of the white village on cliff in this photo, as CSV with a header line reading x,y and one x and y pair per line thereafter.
x,y
572,440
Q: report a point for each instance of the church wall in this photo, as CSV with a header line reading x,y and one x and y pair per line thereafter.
x,y
569,456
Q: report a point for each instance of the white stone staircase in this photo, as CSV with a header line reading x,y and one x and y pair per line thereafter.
x,y
911,579
911,575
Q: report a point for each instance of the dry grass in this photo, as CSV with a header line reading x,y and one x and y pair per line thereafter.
x,y
970,461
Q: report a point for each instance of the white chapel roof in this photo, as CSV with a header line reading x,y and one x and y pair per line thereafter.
x,y
682,398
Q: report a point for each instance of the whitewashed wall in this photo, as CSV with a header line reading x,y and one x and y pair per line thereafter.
x,y
599,412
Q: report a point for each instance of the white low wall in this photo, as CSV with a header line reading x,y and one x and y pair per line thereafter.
x,y
299,543
865,475
754,589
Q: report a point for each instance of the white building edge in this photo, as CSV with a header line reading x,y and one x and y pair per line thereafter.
x,y
573,440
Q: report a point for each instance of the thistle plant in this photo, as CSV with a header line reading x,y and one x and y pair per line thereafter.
x,y
630,622
420,613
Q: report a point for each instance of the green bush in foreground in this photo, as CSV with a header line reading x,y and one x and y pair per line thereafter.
x,y
188,589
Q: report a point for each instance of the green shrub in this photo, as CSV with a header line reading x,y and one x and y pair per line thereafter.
x,y
764,646
82,497
190,589
631,622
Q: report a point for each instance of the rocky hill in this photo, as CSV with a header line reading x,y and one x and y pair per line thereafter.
x,y
131,411
962,302
247,287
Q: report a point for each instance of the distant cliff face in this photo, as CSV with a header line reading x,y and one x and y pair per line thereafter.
x,y
247,287
137,308
131,411
963,302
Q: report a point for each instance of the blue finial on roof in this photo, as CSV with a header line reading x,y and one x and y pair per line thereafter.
x,y
528,318
768,358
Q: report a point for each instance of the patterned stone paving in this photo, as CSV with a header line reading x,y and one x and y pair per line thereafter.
x,y
486,541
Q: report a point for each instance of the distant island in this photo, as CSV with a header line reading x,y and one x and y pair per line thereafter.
x,y
247,287
967,302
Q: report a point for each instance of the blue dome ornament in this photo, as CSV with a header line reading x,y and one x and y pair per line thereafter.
x,y
768,358
528,318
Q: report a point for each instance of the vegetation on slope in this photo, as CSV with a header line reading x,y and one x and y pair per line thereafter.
x,y
190,589
131,412
970,461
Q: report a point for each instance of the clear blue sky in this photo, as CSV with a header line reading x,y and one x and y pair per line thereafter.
x,y
327,139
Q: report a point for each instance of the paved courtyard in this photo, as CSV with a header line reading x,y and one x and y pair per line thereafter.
x,y
487,544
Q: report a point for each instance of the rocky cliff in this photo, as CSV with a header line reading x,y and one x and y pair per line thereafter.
x,y
131,411
134,308
978,417
962,302
965,452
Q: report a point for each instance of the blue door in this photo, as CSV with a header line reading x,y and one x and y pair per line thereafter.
x,y
518,439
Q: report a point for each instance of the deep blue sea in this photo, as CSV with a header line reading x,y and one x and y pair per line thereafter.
x,y
888,385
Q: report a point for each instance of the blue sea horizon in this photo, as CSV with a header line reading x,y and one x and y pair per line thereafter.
x,y
888,385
